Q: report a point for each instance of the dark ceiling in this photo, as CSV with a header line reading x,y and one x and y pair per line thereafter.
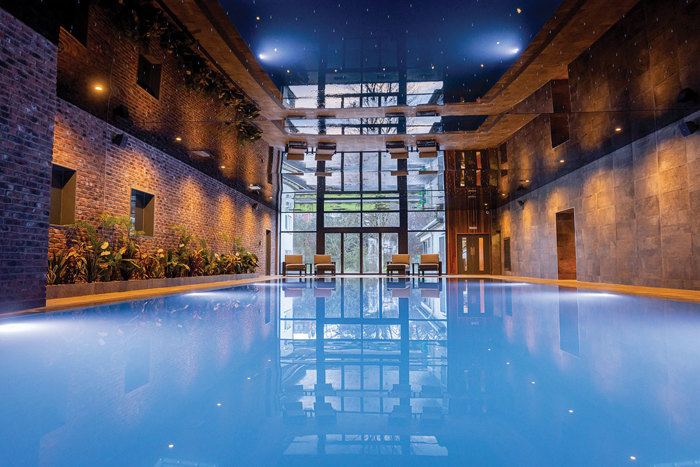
x,y
466,44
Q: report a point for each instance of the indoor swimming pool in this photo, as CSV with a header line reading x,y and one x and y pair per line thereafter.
x,y
356,371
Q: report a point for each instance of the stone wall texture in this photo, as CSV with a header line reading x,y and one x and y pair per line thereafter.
x,y
27,101
106,173
636,215
635,192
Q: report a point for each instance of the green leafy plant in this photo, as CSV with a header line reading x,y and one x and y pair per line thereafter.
x,y
124,261
90,250
59,271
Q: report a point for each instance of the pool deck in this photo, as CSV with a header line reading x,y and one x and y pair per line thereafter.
x,y
102,299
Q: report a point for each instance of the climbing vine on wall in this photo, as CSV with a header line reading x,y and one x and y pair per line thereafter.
x,y
143,21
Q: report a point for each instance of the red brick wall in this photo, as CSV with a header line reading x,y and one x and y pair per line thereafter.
x,y
27,100
111,59
106,174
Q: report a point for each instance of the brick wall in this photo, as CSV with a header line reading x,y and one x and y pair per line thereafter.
x,y
27,100
106,174
111,59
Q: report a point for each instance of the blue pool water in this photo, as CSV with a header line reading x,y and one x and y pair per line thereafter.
x,y
355,372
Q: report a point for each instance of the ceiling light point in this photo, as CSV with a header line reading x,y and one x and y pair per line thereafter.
x,y
288,70
274,49
518,10
432,67
482,65
257,18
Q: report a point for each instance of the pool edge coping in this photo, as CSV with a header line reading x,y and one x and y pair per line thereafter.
x,y
84,301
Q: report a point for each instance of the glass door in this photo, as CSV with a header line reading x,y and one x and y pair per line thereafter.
x,y
473,254
361,252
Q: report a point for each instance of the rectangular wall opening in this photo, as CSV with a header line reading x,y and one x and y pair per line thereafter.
x,y
566,244
143,212
148,75
62,211
506,254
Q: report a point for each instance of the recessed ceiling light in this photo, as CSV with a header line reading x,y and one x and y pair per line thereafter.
x,y
288,70
274,49
383,68
482,65
257,18
518,10
498,42
335,71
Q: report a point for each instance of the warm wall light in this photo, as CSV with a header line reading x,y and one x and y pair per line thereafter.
x,y
222,166
618,129
178,139
99,88
561,161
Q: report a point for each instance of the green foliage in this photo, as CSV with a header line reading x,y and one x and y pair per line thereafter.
x,y
142,21
59,267
112,252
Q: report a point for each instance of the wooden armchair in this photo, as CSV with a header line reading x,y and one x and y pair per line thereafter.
x,y
323,264
400,264
430,263
293,263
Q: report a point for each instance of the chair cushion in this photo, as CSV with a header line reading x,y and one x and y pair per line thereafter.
x,y
295,267
322,259
400,259
293,259
429,259
397,265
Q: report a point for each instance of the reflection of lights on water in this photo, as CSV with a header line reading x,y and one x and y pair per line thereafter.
x,y
18,327
633,458
218,404
171,446
532,382
507,363
571,411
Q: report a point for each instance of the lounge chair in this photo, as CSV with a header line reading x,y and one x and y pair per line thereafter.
x,y
323,264
293,263
430,263
400,264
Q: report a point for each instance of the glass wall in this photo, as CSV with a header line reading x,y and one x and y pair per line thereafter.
x,y
361,213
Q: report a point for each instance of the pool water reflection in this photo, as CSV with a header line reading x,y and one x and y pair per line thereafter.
x,y
355,372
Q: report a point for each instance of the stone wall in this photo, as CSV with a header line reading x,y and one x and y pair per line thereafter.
x,y
106,173
630,176
27,100
636,215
